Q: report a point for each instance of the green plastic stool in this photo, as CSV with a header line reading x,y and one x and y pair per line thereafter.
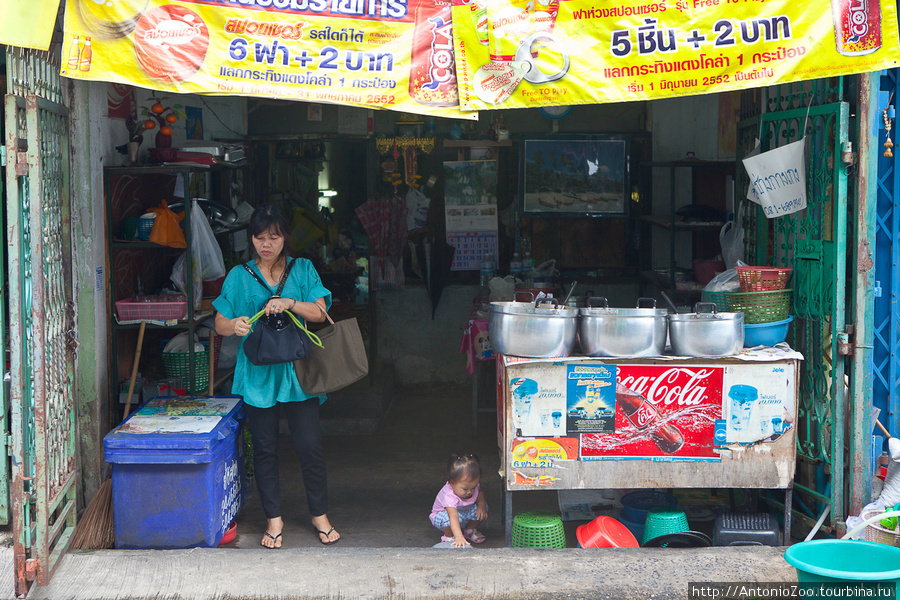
x,y
663,521
538,529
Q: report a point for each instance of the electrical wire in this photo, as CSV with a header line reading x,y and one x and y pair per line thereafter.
x,y
219,119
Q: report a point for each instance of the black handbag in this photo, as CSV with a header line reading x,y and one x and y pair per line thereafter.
x,y
277,338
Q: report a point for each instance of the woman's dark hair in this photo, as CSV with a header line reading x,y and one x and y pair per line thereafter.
x,y
270,217
463,467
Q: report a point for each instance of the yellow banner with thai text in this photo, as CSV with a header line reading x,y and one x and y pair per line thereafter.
x,y
392,54
528,53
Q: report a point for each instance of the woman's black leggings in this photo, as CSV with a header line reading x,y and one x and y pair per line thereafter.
x,y
306,435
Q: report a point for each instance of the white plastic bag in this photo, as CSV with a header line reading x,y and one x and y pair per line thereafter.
x,y
731,239
204,246
726,281
417,205
178,278
181,343
503,289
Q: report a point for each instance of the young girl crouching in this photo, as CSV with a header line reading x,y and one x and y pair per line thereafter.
x,y
460,506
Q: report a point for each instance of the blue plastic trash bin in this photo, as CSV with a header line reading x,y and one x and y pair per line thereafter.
x,y
178,472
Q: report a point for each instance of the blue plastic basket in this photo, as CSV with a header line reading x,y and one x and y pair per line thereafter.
x,y
144,227
766,334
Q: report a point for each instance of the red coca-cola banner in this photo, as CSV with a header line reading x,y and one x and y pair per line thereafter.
x,y
662,413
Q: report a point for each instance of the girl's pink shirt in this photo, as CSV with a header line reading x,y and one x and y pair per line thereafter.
x,y
446,497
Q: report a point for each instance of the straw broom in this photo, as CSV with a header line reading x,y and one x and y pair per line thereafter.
x,y
96,530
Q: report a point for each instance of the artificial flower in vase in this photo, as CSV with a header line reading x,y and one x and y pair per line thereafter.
x,y
165,116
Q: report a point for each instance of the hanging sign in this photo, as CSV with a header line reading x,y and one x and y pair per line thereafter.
x,y
518,54
393,54
778,179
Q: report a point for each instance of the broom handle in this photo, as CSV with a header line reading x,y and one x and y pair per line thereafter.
x,y
881,427
134,368
212,360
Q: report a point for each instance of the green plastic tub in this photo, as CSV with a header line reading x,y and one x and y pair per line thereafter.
x,y
842,561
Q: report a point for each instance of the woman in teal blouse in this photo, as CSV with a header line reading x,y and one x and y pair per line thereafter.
x,y
267,390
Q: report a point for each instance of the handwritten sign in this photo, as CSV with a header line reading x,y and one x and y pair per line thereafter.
x,y
778,179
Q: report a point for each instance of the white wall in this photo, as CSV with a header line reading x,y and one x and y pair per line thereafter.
x,y
224,117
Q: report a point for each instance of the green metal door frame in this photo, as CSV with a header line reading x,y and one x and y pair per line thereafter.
x,y
5,450
41,323
814,243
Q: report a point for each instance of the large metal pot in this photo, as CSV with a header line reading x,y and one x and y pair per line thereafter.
x,y
534,330
706,332
605,331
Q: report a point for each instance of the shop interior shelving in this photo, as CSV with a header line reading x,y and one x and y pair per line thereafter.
x,y
135,265
707,187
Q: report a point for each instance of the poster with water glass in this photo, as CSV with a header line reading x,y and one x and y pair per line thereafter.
x,y
758,403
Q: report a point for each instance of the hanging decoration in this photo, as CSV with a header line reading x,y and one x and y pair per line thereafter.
x,y
407,147
888,144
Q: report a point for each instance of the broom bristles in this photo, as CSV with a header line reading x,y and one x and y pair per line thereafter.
x,y
96,530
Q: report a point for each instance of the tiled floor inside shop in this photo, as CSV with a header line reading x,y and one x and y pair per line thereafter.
x,y
382,485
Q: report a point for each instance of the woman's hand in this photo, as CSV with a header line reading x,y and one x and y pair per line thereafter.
x,y
241,326
279,305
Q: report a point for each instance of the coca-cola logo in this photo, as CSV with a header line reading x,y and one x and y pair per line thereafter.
x,y
684,386
643,416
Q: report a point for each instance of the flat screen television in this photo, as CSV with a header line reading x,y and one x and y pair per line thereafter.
x,y
575,177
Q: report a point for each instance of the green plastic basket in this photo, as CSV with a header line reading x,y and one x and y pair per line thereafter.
x,y
663,521
717,298
177,364
761,307
538,529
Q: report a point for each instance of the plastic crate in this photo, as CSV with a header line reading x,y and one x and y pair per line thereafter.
x,y
177,490
764,279
746,529
177,364
156,310
761,307
538,529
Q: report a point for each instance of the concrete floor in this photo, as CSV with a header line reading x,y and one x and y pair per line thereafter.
x,y
381,490
381,487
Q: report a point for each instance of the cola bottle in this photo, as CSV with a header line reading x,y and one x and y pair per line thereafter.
x,y
643,414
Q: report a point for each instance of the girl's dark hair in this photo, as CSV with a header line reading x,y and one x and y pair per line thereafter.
x,y
270,217
463,467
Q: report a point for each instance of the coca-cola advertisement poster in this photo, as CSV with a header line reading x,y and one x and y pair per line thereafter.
x,y
662,413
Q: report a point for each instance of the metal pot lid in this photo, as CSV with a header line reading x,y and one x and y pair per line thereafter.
x,y
548,308
712,314
606,311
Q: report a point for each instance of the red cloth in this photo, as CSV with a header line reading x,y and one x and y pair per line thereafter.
x,y
476,343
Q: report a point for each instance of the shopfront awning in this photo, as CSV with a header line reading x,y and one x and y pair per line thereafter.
x,y
426,57
28,23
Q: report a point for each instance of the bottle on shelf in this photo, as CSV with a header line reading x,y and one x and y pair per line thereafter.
x,y
515,265
488,267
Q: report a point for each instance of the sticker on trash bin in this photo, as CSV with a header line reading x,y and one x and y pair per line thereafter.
x,y
189,406
164,424
180,414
